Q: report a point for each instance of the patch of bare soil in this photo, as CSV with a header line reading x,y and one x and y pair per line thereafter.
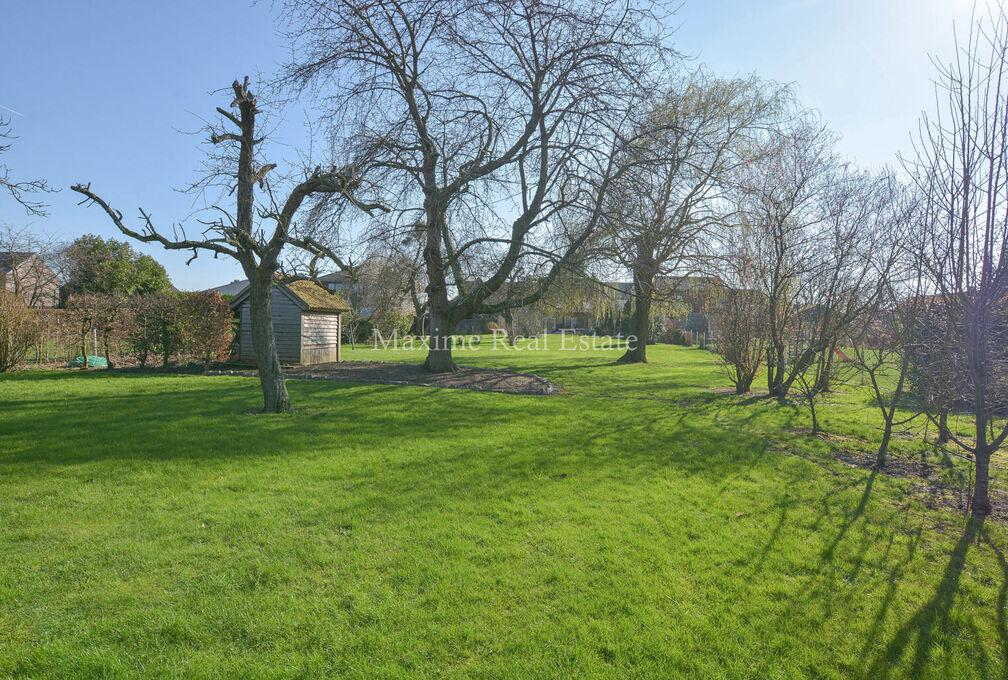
x,y
392,373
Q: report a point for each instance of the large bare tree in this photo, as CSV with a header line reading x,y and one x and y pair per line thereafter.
x,y
496,122
961,168
243,233
678,182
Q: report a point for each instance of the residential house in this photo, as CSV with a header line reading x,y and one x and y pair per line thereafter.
x,y
27,275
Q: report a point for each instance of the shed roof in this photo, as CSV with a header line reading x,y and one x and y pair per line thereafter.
x,y
317,298
307,295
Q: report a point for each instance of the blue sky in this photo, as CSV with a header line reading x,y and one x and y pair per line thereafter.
x,y
103,91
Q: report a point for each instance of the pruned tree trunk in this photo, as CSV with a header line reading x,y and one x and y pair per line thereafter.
x,y
271,379
239,237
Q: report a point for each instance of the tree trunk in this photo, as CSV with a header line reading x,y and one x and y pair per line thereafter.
x,y
943,431
775,372
743,382
640,321
883,450
274,388
815,420
981,500
439,354
512,336
442,325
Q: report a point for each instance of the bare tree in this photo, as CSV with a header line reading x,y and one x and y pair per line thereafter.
x,y
822,247
496,122
675,191
741,318
961,167
881,350
237,235
22,191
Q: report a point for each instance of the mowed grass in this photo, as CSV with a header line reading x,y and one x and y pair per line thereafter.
x,y
643,524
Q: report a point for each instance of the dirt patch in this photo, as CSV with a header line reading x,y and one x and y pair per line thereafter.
x,y
392,373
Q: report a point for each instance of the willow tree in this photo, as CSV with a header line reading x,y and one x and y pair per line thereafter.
x,y
254,233
695,136
496,123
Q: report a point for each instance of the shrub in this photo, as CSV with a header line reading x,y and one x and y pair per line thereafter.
x,y
207,326
157,326
18,330
83,311
394,322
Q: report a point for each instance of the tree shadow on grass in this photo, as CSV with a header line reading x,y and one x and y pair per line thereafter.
x,y
918,632
202,419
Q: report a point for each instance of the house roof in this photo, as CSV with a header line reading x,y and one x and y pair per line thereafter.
x,y
307,295
233,288
8,260
335,277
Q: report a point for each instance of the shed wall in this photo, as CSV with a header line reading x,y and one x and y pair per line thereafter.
x,y
286,326
320,336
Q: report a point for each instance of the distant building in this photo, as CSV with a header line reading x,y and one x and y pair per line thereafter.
x,y
233,288
27,275
307,322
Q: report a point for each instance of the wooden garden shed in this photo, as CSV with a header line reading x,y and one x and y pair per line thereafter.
x,y
306,320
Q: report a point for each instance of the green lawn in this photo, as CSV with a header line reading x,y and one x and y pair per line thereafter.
x,y
640,525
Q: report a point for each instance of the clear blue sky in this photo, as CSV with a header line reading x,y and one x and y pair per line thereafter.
x,y
102,89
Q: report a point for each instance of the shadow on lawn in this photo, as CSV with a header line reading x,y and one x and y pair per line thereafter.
x,y
202,418
919,630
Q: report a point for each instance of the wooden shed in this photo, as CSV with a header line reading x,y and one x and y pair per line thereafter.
x,y
306,320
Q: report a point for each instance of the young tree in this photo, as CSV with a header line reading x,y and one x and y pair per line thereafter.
x,y
207,326
18,330
237,235
741,317
495,121
697,134
881,350
158,326
961,168
821,248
